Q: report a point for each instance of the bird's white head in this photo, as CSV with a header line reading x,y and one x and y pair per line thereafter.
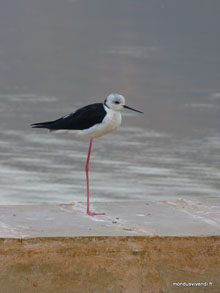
x,y
116,102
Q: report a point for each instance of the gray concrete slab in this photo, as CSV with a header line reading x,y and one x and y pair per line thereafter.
x,y
163,218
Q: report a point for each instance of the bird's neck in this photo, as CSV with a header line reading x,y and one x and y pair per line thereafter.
x,y
106,104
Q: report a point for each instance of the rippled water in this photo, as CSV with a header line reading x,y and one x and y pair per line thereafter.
x,y
56,56
131,163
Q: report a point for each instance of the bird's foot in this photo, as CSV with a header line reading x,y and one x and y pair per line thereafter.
x,y
94,214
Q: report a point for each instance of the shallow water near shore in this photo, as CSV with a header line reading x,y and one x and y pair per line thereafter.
x,y
54,61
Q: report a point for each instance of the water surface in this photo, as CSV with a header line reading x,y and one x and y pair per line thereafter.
x,y
163,56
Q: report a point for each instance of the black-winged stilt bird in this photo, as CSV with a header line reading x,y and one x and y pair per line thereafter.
x,y
91,122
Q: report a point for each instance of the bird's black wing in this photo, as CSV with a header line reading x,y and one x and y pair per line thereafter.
x,y
82,118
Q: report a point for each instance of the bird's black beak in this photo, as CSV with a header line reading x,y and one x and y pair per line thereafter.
x,y
132,109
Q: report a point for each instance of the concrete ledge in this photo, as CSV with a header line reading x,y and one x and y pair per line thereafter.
x,y
159,218
109,264
136,247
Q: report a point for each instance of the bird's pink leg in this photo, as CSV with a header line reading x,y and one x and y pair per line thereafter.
x,y
87,181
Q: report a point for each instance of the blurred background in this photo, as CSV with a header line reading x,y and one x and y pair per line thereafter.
x,y
162,55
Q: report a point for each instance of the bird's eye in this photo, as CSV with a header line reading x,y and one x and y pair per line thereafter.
x,y
117,102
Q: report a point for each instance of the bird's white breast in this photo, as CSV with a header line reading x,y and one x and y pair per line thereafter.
x,y
111,122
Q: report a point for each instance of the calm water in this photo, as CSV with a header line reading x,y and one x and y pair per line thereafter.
x,y
163,56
